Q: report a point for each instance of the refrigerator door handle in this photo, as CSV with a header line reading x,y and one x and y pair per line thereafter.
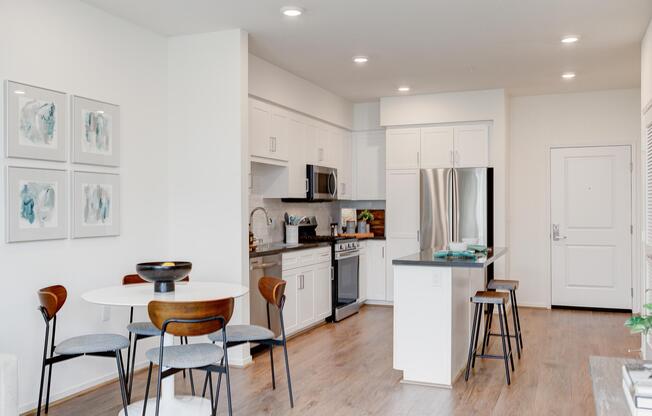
x,y
456,208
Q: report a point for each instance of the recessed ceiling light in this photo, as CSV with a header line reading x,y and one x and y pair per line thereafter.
x,y
19,92
568,75
570,39
404,88
360,59
291,11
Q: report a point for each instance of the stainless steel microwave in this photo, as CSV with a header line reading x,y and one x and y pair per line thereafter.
x,y
321,183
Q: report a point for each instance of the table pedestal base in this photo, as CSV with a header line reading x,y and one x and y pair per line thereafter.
x,y
180,405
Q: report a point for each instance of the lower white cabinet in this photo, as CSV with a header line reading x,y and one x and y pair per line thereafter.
x,y
362,271
308,288
374,271
396,248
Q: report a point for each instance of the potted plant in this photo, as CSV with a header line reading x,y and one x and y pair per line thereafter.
x,y
641,323
364,217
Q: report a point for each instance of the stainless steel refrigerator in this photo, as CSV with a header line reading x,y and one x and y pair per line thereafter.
x,y
456,203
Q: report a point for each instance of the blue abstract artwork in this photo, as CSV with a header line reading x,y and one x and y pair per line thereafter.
x,y
96,132
97,204
38,204
37,123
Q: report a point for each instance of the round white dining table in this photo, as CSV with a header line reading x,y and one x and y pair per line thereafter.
x,y
139,295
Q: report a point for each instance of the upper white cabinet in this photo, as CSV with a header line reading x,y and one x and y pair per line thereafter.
x,y
268,130
296,170
403,148
471,146
369,165
438,147
437,144
345,166
402,219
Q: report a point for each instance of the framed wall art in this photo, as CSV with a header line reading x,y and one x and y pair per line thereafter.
x,y
96,204
37,204
96,132
35,122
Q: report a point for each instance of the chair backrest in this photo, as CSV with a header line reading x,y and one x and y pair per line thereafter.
x,y
132,279
203,316
272,289
52,299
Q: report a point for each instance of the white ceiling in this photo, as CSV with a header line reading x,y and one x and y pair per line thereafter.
x,y
431,45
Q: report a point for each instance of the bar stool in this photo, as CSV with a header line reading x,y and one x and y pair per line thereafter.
x,y
510,286
51,301
142,330
490,298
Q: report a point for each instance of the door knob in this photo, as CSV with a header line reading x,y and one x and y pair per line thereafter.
x,y
555,233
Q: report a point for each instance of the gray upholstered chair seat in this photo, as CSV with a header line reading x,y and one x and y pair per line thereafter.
x,y
87,344
187,355
143,328
242,333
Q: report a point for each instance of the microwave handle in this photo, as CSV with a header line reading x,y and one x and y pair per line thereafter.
x,y
334,191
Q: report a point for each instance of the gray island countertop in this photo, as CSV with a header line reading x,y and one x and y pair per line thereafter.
x,y
426,258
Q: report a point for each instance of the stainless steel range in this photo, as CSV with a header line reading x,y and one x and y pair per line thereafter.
x,y
345,281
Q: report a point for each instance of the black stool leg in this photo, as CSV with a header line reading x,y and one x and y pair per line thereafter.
x,y
287,370
132,369
476,335
502,338
271,361
518,319
515,320
472,342
509,338
487,326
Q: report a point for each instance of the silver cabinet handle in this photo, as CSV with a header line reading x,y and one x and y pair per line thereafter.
x,y
418,159
307,185
383,252
332,273
320,154
456,158
451,156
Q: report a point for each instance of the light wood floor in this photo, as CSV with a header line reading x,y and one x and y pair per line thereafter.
x,y
346,369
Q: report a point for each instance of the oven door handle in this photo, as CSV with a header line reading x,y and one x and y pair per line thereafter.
x,y
347,255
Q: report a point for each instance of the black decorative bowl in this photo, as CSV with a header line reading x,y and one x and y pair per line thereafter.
x,y
164,274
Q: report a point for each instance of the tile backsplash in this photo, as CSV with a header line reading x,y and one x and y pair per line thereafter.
x,y
325,212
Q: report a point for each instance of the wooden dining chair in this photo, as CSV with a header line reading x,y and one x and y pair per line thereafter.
x,y
186,319
51,300
273,290
142,330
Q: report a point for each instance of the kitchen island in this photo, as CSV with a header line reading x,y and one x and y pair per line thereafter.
x,y
433,314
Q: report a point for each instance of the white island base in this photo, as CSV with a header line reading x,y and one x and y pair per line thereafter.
x,y
433,317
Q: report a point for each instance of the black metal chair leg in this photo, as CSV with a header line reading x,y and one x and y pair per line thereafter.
x,y
160,376
271,361
228,386
518,320
182,342
471,350
287,370
475,337
149,379
502,338
203,393
47,394
40,390
121,376
217,390
130,382
515,320
509,339
210,387
192,382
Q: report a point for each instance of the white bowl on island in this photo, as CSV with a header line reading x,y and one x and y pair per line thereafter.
x,y
457,246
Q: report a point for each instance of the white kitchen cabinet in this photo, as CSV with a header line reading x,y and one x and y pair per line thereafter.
x,y
471,149
403,148
375,280
290,313
324,146
344,168
268,130
437,147
396,248
362,271
323,291
369,165
297,183
402,204
306,296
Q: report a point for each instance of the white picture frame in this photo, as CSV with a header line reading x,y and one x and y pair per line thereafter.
x,y
36,204
96,132
96,204
35,122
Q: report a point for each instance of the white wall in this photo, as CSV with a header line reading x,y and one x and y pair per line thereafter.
x,y
646,69
537,123
72,47
487,105
279,86
207,133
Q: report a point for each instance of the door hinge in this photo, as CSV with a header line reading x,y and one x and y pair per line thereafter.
x,y
631,229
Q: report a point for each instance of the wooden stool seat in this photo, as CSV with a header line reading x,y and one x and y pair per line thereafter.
x,y
502,284
494,298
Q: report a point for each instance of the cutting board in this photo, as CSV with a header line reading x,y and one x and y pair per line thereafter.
x,y
358,235
378,224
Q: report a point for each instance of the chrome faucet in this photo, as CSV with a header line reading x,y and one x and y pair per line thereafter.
x,y
268,221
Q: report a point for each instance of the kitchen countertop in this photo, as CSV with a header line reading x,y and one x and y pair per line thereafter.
x,y
607,379
279,248
426,258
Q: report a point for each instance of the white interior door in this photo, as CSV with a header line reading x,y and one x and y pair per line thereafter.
x,y
590,189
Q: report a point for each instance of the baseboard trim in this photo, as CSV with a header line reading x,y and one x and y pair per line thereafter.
x,y
585,308
533,305
378,303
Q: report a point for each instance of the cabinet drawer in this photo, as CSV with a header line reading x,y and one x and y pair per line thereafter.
x,y
308,257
